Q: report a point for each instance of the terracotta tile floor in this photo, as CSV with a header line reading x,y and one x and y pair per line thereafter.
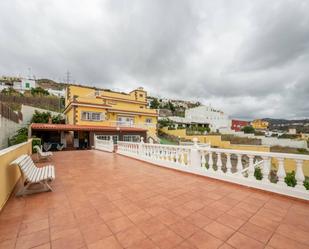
x,y
103,200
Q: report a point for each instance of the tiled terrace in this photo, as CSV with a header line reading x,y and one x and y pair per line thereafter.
x,y
103,200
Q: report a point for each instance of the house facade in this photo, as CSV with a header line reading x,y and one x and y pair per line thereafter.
x,y
259,124
237,125
24,84
126,114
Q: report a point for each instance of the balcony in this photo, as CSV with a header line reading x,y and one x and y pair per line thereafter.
x,y
131,124
106,200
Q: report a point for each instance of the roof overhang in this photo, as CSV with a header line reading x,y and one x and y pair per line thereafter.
x,y
69,127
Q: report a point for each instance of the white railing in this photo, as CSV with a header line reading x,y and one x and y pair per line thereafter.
x,y
130,124
229,165
105,145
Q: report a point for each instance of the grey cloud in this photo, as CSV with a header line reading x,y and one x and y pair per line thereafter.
x,y
248,58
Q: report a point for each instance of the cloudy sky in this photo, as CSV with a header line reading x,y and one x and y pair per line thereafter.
x,y
249,58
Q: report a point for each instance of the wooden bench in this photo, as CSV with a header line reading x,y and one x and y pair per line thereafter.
x,y
34,179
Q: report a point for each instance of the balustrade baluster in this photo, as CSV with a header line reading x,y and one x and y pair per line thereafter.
x,y
299,175
281,172
182,157
228,163
251,167
239,166
219,162
177,155
210,161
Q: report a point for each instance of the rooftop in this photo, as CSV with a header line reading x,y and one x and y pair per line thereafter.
x,y
105,200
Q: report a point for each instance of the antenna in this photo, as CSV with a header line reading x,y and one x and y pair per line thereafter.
x,y
68,74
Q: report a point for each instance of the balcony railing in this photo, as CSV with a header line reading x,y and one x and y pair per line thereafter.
x,y
130,124
235,166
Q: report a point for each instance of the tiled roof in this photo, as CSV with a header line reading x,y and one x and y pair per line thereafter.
x,y
69,127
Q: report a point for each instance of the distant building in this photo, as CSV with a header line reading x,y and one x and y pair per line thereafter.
x,y
58,93
24,84
260,124
237,125
3,86
292,131
205,115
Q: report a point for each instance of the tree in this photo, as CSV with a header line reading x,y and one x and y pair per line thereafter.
x,y
248,129
154,104
44,117
20,137
57,119
39,91
41,117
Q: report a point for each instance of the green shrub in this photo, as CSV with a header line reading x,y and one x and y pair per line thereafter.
x,y
290,179
248,129
35,141
258,174
20,137
306,184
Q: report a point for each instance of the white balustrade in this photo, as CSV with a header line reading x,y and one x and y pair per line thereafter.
x,y
105,145
237,166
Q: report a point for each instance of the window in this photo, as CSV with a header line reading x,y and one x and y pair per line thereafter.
x,y
141,95
108,137
141,106
132,138
92,116
27,85
148,120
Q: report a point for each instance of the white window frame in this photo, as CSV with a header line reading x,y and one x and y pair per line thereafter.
x,y
92,116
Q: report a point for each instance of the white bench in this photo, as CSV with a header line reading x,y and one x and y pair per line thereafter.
x,y
33,176
41,154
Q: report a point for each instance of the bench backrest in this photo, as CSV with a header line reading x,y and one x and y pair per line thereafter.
x,y
27,167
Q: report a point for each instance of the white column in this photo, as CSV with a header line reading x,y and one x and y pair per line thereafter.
x,y
219,162
140,147
228,163
299,174
195,158
239,167
281,172
251,167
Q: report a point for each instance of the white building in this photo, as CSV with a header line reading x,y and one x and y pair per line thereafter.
x,y
24,84
3,86
216,119
58,93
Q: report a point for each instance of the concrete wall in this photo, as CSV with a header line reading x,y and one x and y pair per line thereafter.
x,y
271,141
7,129
28,112
215,141
285,142
9,175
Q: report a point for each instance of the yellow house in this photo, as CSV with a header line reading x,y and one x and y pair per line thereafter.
x,y
124,115
259,124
